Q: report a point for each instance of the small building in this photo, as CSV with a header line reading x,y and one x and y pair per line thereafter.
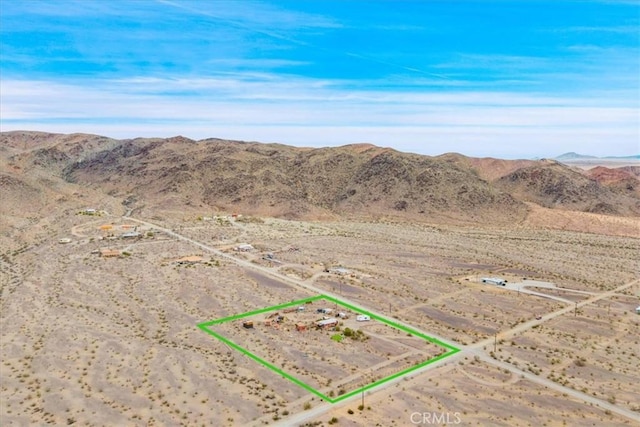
x,y
494,281
342,315
130,235
638,309
301,327
327,323
64,240
110,253
362,318
90,211
340,271
247,324
188,260
325,310
245,247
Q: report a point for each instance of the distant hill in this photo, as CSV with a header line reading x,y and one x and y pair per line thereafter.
x,y
623,180
179,174
571,156
636,157
554,185
574,156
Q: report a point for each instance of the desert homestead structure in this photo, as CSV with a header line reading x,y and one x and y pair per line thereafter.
x,y
494,281
327,323
64,240
110,253
638,309
188,260
245,247
362,318
131,235
340,271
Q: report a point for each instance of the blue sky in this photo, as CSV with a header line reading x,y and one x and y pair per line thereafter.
x,y
499,78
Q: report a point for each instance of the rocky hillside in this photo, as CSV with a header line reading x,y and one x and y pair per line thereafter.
x,y
551,184
270,179
295,183
623,180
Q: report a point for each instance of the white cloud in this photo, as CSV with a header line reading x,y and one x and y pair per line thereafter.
x,y
317,113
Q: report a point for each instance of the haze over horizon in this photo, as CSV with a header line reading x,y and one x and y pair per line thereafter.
x,y
502,79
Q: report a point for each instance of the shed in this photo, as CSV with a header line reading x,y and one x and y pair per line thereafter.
x,y
188,260
130,235
245,247
340,271
110,253
300,327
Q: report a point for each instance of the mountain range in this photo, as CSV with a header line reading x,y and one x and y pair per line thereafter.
x,y
39,171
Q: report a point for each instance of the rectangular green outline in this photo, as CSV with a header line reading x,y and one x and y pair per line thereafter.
x,y
451,349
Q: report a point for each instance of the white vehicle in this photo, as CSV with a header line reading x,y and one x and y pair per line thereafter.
x,y
362,318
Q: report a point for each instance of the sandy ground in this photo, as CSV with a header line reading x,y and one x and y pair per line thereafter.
x,y
114,341
470,393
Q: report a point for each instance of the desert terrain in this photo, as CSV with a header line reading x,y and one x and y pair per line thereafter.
x,y
105,279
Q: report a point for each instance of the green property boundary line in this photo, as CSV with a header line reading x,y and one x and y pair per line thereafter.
x,y
451,350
